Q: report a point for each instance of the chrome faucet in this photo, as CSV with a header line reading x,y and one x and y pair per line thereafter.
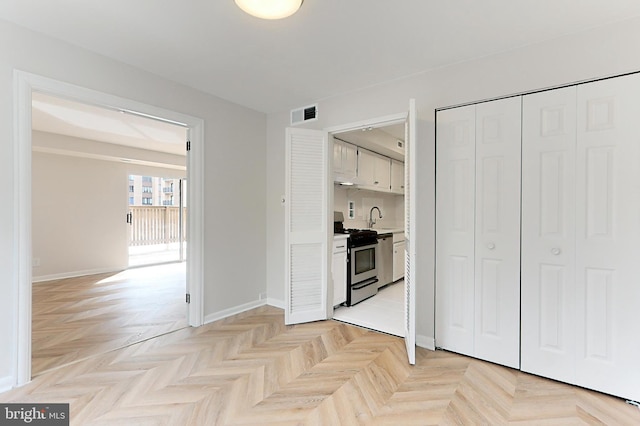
x,y
372,221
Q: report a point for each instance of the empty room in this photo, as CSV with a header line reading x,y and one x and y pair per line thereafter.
x,y
478,162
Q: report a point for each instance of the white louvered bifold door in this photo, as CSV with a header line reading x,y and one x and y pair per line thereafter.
x,y
410,234
306,222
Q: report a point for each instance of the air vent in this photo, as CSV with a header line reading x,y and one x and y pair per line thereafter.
x,y
302,115
400,144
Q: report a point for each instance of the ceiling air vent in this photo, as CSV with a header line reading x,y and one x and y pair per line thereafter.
x,y
302,115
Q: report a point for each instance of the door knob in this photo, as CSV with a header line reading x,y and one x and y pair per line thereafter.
x,y
555,251
491,246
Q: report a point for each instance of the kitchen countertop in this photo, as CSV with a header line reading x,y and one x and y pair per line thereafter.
x,y
388,230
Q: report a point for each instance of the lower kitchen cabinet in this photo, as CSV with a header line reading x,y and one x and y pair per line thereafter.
x,y
339,270
398,260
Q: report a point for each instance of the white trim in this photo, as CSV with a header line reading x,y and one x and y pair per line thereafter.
x,y
373,122
216,316
6,383
276,303
24,84
73,274
22,223
426,342
386,120
195,222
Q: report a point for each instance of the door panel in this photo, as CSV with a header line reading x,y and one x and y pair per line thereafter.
x,y
497,231
307,224
455,204
548,233
410,234
607,236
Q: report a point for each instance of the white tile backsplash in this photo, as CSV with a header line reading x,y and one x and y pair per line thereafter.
x,y
391,205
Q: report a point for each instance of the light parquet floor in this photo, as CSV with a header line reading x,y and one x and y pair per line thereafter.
x,y
251,369
76,318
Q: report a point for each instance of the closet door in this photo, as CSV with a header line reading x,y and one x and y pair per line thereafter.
x,y
608,236
548,233
497,232
455,207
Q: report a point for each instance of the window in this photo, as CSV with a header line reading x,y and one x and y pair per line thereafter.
x,y
147,189
147,201
130,188
130,201
146,179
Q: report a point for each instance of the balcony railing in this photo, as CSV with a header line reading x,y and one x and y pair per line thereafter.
x,y
156,225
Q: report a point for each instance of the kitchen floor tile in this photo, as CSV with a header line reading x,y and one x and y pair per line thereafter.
x,y
382,312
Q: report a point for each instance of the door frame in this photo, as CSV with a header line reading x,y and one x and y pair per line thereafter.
x,y
378,122
24,85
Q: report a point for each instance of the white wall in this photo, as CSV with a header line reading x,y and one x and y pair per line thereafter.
x,y
79,207
235,148
599,52
391,206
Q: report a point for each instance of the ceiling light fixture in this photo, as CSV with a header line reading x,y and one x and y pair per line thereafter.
x,y
270,9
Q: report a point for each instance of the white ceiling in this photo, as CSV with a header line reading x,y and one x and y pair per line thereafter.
x,y
64,117
328,48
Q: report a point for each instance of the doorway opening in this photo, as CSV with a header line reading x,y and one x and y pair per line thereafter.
x,y
157,220
27,84
82,294
368,202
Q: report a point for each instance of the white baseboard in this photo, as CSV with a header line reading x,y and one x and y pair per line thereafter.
x,y
276,303
64,275
6,383
233,311
426,342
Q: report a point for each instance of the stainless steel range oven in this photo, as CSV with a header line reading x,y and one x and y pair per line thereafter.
x,y
362,271
362,276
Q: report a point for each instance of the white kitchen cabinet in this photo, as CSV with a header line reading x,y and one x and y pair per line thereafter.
x,y
345,161
374,170
478,228
580,230
398,260
397,177
339,270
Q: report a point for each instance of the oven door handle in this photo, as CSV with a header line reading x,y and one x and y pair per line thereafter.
x,y
364,283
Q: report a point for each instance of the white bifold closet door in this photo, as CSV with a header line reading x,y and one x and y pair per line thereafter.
x,y
581,235
478,231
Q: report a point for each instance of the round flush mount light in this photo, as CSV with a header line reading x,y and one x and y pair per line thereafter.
x,y
270,9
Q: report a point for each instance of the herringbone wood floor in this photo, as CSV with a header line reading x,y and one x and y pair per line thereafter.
x,y
76,318
251,369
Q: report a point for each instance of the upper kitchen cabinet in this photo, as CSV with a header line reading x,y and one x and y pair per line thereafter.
x,y
345,161
374,170
397,177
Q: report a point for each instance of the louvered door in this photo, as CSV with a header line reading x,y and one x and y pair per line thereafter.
x,y
307,223
410,243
